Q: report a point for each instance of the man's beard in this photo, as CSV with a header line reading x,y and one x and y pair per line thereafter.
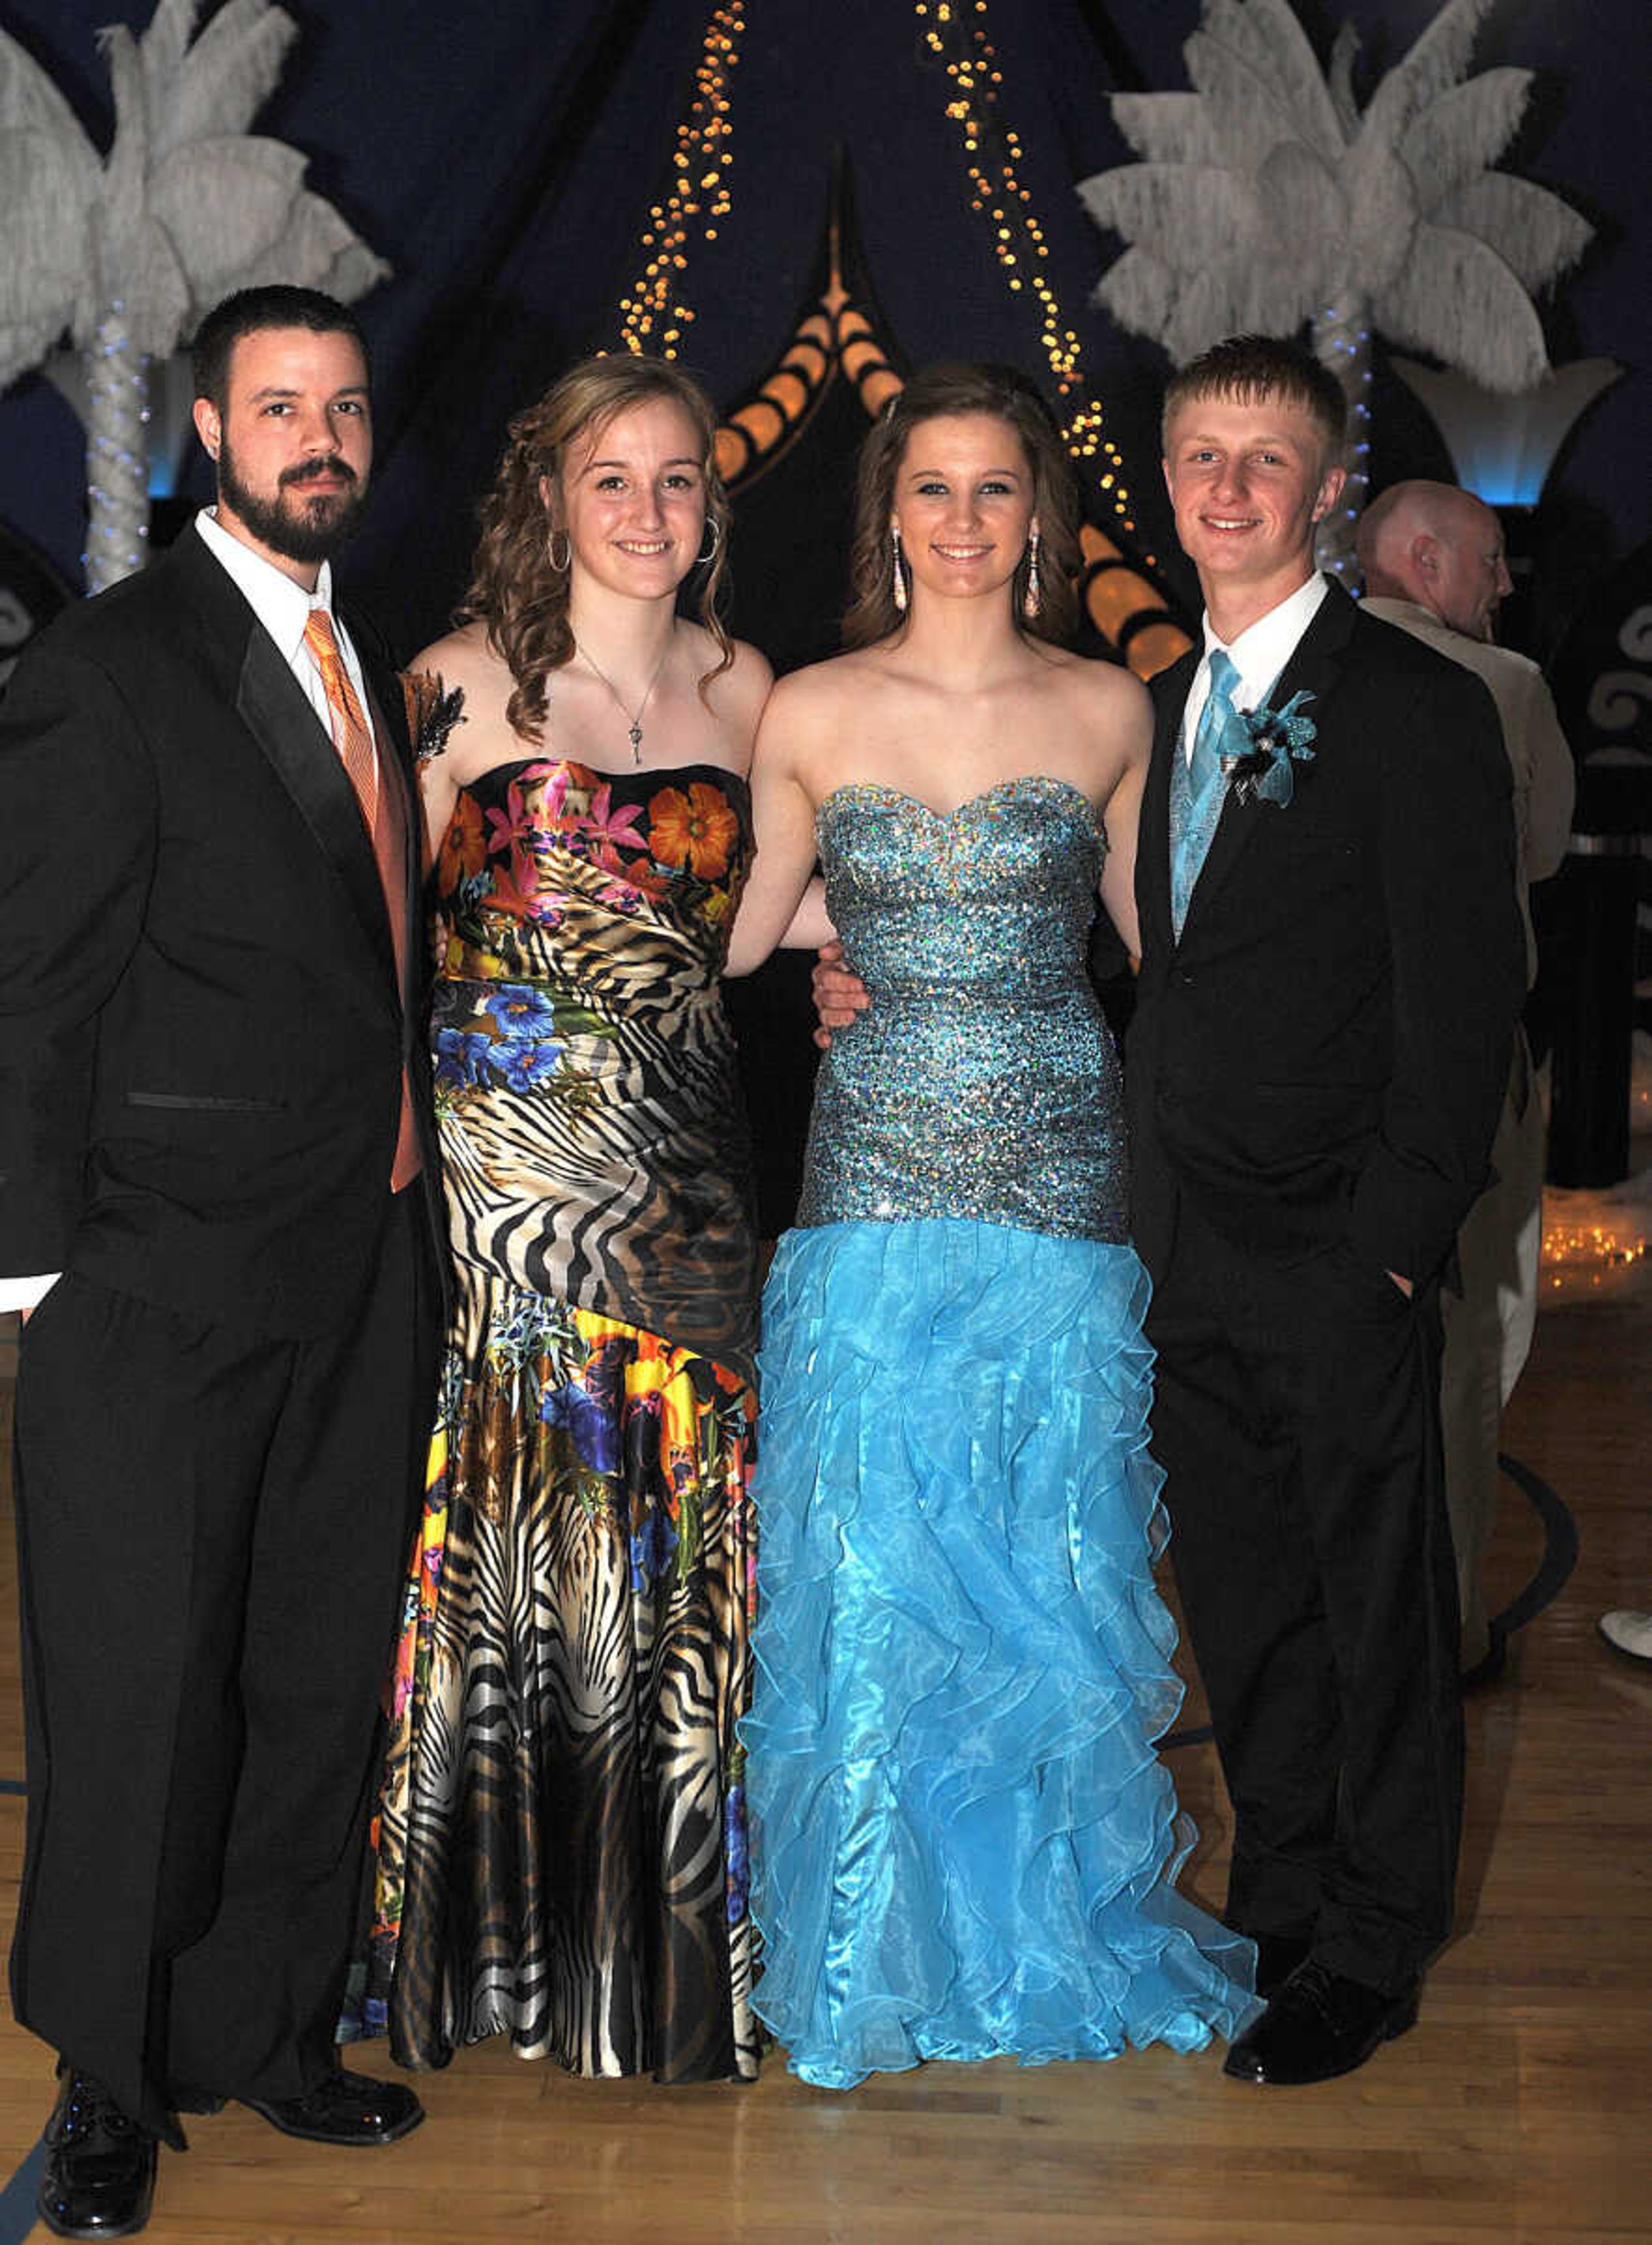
x,y
303,528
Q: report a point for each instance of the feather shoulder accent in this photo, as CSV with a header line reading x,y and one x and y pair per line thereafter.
x,y
432,712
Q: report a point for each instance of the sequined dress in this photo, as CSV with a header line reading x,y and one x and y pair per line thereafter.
x,y
966,1845
560,1842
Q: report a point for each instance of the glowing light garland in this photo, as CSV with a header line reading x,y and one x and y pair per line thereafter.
x,y
699,195
993,157
117,453
1340,335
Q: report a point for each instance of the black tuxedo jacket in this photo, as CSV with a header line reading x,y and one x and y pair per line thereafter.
x,y
201,1038
1321,1056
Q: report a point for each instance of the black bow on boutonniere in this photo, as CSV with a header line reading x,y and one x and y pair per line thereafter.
x,y
1277,738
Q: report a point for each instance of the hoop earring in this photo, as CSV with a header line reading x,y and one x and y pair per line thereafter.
x,y
1031,599
563,566
900,578
703,560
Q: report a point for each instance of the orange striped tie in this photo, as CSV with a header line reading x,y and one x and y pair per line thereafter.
x,y
353,738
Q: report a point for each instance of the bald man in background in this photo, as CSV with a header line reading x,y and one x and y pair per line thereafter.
x,y
1433,557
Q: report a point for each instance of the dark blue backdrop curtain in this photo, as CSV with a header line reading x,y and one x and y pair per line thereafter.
x,y
504,158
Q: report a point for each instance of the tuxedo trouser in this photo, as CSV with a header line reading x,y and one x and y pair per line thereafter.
x,y
1488,1335
213,1527
1296,1417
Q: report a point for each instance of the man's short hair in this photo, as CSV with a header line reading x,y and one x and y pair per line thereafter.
x,y
1250,369
248,312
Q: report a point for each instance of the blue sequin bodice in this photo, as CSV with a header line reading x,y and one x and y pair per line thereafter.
x,y
983,1081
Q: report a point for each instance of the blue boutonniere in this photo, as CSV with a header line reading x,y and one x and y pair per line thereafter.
x,y
1277,738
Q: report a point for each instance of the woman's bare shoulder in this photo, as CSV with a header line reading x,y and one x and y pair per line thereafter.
x,y
742,688
472,685
461,657
1109,700
820,691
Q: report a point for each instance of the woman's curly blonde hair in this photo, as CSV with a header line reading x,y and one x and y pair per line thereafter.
x,y
514,588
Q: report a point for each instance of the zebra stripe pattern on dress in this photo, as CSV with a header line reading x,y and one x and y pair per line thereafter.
x,y
561,1843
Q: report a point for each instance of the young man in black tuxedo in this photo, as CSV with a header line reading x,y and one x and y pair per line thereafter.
x,y
218,1209
1332,968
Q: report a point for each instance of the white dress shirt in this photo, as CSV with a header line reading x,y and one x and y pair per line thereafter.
x,y
1259,653
283,609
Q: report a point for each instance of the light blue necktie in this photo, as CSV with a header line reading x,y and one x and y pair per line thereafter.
x,y
1201,806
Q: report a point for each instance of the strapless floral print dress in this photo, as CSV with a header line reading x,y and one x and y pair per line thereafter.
x,y
560,1842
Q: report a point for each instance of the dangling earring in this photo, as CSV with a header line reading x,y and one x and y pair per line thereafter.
x,y
568,551
708,554
1031,599
900,576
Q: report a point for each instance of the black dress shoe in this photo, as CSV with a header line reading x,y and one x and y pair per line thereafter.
x,y
1277,1956
195,2100
1489,1668
99,2180
1318,2025
345,2108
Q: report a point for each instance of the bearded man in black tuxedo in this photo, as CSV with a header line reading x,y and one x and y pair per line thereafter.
x,y
1332,968
218,1210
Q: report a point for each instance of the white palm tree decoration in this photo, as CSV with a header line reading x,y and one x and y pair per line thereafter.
x,y
1266,200
123,255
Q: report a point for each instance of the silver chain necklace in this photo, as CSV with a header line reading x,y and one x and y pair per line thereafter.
x,y
633,718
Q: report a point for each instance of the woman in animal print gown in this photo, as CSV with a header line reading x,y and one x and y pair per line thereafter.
x,y
561,1852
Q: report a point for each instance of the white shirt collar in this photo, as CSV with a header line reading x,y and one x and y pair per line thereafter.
x,y
281,606
1263,650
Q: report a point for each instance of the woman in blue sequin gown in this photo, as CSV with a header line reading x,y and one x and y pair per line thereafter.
x,y
965,1844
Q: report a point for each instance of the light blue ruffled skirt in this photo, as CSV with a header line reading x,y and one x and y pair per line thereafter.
x,y
964,1844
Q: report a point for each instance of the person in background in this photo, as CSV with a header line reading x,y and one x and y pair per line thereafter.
x,y
1433,558
215,1132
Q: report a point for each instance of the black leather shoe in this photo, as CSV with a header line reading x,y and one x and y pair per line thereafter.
x,y
1489,1668
345,2108
1277,1956
1318,2025
195,2100
99,2180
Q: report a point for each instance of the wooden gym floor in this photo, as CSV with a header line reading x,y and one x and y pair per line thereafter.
x,y
1520,2108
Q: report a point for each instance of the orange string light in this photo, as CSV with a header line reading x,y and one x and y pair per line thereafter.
x,y
955,31
1580,1248
654,314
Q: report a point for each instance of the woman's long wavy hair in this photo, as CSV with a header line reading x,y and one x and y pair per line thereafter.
x,y
514,590
1006,395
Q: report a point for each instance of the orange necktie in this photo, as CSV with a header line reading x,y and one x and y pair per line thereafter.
x,y
353,738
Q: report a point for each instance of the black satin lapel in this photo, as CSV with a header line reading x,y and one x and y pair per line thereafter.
x,y
1234,829
276,710
385,697
388,709
396,772
1169,692
1314,668
1318,663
